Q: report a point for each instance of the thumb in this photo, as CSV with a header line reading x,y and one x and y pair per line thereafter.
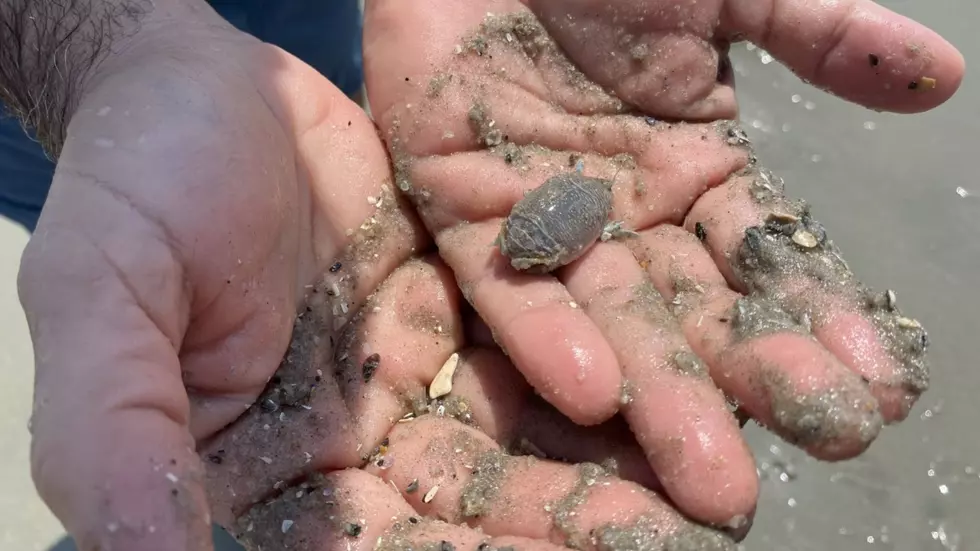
x,y
856,49
111,455
669,58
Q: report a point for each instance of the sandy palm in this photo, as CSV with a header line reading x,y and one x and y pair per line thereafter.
x,y
730,288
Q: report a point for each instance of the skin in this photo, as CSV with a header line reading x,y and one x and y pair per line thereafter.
x,y
186,221
690,174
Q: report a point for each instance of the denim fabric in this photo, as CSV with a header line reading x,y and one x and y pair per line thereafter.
x,y
326,34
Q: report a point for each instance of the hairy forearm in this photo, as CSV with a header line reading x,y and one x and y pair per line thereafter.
x,y
50,50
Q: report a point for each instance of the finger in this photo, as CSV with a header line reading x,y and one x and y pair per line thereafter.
x,y
679,417
771,246
856,49
450,471
351,510
552,342
332,401
657,170
504,407
759,355
112,454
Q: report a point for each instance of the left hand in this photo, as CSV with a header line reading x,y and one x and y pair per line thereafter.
x,y
726,268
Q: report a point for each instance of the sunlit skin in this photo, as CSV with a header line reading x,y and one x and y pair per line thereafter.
x,y
186,223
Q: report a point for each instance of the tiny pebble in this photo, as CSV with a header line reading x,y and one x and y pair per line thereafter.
x,y
266,460
286,525
172,477
431,494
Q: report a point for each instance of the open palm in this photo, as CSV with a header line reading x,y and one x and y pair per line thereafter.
x,y
730,290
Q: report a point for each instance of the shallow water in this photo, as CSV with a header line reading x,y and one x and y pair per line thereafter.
x,y
897,195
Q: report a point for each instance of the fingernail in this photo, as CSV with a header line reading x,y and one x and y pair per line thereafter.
x,y
738,526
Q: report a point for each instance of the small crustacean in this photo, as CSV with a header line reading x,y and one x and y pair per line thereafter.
x,y
556,223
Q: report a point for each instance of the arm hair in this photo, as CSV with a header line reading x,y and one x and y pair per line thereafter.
x,y
48,50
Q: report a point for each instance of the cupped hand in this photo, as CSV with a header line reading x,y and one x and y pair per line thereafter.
x,y
729,293
410,429
206,181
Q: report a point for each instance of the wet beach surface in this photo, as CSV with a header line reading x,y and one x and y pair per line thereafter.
x,y
899,196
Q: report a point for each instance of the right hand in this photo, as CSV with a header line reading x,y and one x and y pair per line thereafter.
x,y
497,96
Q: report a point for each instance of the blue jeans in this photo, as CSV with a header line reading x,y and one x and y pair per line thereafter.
x,y
326,34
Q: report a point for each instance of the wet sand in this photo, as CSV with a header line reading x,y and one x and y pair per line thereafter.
x,y
886,186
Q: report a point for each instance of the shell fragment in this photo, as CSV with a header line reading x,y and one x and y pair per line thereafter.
x,y
442,384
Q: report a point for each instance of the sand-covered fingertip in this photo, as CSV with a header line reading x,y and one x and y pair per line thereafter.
x,y
774,248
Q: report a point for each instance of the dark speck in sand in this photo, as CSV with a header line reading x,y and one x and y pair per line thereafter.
x,y
370,366
700,231
352,529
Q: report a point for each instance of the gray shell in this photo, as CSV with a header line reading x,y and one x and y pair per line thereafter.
x,y
556,223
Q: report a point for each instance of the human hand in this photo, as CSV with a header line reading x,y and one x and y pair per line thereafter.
x,y
359,444
206,185
206,180
725,268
